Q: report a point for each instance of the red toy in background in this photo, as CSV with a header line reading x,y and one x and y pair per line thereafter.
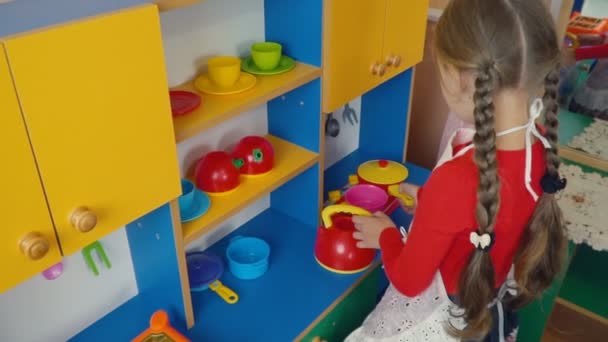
x,y
584,24
336,248
588,36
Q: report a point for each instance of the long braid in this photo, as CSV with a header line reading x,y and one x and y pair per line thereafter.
x,y
476,286
485,151
543,248
551,122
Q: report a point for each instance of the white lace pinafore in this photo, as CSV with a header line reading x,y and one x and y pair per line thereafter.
x,y
404,319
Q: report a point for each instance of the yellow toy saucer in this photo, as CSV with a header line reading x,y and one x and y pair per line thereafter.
x,y
245,82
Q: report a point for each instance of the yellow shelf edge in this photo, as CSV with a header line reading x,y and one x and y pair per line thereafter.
x,y
168,5
290,161
216,109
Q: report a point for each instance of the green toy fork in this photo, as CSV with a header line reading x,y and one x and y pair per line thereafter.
x,y
86,252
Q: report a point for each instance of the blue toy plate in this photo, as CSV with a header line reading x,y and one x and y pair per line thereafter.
x,y
200,205
203,269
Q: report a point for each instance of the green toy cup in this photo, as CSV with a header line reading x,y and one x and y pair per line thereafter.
x,y
266,55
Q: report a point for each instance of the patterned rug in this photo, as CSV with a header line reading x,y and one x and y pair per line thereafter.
x,y
593,139
585,206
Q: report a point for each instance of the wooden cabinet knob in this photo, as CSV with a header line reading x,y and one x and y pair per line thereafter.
x,y
378,69
34,245
83,219
393,61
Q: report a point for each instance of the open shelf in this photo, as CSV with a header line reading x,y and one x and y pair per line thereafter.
x,y
284,301
168,5
215,109
290,160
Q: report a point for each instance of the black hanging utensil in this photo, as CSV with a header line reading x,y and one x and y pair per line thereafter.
x,y
350,114
332,126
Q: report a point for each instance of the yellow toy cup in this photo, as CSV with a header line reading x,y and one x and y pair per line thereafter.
x,y
266,55
224,70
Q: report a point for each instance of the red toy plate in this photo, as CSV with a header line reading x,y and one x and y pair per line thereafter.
x,y
183,102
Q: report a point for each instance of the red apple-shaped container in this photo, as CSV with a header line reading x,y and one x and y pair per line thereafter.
x,y
216,173
336,248
254,155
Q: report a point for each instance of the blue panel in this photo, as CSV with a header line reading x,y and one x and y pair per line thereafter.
x,y
284,301
154,257
299,198
25,15
384,113
296,116
298,25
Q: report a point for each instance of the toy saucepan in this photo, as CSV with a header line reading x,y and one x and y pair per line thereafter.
x,y
387,175
336,248
204,271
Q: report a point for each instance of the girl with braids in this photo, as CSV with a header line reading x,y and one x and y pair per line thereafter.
x,y
487,235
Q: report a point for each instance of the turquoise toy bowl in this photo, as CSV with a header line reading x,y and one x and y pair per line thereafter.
x,y
247,257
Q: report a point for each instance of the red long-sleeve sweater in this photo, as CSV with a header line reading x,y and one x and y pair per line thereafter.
x,y
445,216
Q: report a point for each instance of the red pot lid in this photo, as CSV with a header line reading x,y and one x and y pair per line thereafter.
x,y
183,102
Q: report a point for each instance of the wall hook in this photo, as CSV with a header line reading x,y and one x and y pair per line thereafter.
x,y
97,247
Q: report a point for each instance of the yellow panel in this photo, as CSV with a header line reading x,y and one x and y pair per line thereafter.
x,y
290,160
22,205
352,39
95,99
216,109
404,34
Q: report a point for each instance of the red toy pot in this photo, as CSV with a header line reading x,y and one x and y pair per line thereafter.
x,y
387,175
216,173
254,155
335,248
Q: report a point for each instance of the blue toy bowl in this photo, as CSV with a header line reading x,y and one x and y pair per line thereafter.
x,y
247,257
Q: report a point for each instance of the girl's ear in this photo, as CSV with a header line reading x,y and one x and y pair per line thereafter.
x,y
460,84
466,80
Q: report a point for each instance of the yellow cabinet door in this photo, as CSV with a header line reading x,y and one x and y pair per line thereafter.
x,y
352,39
404,34
27,238
95,100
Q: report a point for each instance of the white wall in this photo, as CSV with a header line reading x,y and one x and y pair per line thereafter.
x,y
215,27
596,8
54,310
348,139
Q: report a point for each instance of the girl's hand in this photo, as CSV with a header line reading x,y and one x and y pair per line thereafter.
x,y
411,190
369,229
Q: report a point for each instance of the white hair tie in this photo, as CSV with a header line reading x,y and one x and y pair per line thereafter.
x,y
483,241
